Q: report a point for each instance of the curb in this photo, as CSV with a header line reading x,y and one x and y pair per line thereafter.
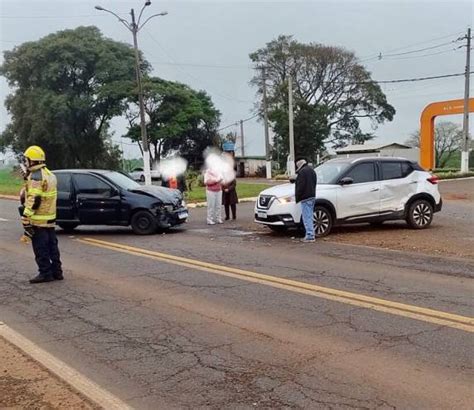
x,y
9,197
204,204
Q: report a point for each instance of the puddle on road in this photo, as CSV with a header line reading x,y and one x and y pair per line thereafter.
x,y
232,232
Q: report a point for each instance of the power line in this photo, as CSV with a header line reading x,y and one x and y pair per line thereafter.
x,y
237,122
50,17
418,50
423,55
375,56
406,80
222,95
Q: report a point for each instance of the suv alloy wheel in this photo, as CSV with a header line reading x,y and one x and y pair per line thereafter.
x,y
420,214
323,222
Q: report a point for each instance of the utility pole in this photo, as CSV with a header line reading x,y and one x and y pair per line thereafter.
x,y
242,141
146,152
134,27
268,154
291,162
465,123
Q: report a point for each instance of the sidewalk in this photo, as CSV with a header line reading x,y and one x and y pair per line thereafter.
x,y
25,384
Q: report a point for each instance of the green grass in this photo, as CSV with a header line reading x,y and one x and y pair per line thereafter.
x,y
244,190
10,184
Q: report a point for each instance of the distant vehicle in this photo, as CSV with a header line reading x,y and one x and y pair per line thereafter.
x,y
138,174
356,190
98,197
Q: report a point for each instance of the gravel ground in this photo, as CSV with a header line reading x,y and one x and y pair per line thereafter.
x,y
25,384
451,234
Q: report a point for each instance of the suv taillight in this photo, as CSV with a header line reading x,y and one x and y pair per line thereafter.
x,y
433,179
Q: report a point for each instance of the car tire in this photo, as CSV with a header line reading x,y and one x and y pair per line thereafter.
x,y
420,214
142,178
323,221
278,228
143,223
68,227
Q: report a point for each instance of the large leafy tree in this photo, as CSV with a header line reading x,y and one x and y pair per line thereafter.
x,y
448,140
332,92
66,88
179,119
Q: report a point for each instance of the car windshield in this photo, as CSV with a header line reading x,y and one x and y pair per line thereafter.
x,y
329,171
122,180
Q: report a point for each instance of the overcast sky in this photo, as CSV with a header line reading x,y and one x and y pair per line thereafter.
x,y
197,38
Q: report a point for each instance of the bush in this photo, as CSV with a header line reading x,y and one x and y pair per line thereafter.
x,y
453,175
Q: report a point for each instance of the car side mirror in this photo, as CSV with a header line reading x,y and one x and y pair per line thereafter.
x,y
346,181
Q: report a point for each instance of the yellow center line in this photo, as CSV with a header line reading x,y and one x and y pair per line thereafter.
x,y
395,308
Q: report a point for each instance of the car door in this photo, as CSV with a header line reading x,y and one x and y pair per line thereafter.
x,y
398,184
361,198
97,202
65,203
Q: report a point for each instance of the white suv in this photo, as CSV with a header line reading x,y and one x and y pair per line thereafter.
x,y
357,190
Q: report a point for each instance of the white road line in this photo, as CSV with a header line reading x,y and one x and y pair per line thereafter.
x,y
3,220
72,377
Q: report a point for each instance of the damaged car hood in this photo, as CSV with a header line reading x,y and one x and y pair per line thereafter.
x,y
165,195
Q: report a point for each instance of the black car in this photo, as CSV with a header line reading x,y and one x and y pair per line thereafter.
x,y
99,197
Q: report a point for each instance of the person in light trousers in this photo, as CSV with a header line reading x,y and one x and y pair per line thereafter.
x,y
213,182
305,193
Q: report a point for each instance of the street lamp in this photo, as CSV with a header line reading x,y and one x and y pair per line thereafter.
x,y
134,27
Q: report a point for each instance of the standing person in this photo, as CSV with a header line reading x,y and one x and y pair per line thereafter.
x,y
213,182
305,192
174,182
39,215
230,199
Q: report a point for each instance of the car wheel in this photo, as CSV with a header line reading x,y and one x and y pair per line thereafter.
x,y
68,227
142,178
143,223
420,214
323,222
278,228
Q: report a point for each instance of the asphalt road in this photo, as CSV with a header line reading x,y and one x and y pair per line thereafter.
x,y
236,317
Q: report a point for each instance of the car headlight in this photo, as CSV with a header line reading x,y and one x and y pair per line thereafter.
x,y
287,199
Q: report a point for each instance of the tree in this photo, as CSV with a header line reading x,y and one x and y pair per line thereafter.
x,y
66,88
332,92
448,140
179,119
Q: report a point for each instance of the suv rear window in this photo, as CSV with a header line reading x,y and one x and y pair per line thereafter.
x,y
395,170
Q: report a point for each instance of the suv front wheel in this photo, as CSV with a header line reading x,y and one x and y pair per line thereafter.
x,y
323,221
420,214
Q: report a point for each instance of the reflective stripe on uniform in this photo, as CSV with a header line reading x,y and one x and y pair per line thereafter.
x,y
42,217
39,192
28,212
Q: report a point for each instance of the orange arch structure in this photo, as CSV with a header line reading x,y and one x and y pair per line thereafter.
x,y
431,111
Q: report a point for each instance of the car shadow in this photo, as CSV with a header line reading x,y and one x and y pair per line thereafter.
x,y
392,226
112,231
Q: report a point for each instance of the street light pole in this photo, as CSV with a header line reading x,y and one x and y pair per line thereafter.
x,y
134,28
146,152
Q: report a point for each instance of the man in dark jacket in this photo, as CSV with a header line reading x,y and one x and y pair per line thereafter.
x,y
305,192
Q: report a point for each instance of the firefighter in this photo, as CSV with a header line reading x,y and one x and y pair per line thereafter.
x,y
39,215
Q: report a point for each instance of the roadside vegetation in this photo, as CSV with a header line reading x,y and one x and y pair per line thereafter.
x,y
10,182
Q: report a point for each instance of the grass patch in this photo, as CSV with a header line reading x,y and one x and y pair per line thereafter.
x,y
454,175
10,183
244,190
